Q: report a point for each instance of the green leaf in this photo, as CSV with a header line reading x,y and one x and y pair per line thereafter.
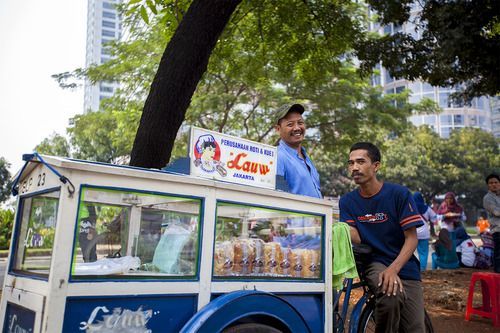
x,y
144,15
152,6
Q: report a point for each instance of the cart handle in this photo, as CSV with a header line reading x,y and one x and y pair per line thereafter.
x,y
28,158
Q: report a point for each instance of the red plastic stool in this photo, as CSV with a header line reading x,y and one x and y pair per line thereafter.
x,y
490,288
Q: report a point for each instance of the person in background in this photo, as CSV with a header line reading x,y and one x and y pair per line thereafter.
x,y
435,203
452,214
482,225
487,245
445,255
424,232
385,217
87,232
491,203
466,249
293,162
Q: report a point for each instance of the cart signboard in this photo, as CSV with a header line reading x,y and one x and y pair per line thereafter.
x,y
227,158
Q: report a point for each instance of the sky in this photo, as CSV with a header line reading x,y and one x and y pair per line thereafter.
x,y
38,39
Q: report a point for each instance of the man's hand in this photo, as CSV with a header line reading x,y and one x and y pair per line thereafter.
x,y
389,281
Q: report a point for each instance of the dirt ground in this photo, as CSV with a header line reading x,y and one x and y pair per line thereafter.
x,y
445,296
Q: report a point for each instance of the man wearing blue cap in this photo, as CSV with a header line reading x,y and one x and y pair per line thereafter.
x,y
293,162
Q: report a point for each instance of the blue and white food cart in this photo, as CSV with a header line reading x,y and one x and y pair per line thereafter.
x,y
106,248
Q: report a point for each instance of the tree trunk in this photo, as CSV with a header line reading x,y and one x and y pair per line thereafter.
x,y
183,63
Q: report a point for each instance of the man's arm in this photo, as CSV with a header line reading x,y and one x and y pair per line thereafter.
x,y
355,238
389,279
346,217
490,206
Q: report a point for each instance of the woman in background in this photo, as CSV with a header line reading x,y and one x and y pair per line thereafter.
x,y
424,232
444,255
451,212
466,250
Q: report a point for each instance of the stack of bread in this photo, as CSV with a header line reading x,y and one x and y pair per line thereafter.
x,y
286,261
223,258
310,262
244,255
247,257
272,257
258,262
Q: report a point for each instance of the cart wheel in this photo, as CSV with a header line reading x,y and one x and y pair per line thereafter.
x,y
251,328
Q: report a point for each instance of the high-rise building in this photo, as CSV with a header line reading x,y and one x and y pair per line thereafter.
x,y
495,116
476,114
103,26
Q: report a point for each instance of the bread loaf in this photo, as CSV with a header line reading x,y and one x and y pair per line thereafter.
x,y
272,257
286,261
223,258
258,262
244,255
297,263
310,262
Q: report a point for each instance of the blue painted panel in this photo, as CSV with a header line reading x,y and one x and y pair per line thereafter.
x,y
310,306
156,313
18,319
231,307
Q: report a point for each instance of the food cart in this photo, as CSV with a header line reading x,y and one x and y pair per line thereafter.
x,y
106,248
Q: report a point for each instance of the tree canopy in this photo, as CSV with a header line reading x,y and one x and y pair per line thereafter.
x,y
5,183
450,43
55,144
422,161
269,54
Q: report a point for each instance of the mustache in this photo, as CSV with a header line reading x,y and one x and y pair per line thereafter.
x,y
356,174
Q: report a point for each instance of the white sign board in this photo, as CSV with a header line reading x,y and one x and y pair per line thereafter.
x,y
231,159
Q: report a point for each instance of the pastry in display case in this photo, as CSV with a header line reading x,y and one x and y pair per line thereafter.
x,y
272,257
262,242
244,255
223,258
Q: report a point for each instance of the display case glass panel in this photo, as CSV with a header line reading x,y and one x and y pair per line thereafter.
x,y
35,234
133,234
260,242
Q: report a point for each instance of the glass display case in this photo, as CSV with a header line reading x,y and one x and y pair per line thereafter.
x,y
135,234
259,242
33,250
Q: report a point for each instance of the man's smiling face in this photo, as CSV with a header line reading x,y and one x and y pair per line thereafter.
x,y
292,129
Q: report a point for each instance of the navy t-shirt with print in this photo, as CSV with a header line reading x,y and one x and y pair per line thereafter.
x,y
381,220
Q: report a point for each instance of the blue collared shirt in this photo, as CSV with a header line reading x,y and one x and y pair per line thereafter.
x,y
300,174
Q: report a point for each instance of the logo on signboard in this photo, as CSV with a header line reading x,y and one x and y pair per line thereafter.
x,y
231,159
207,155
120,320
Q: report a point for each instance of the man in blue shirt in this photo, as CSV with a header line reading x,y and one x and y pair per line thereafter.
x,y
384,216
293,162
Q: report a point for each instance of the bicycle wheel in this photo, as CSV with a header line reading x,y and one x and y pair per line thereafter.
x,y
367,321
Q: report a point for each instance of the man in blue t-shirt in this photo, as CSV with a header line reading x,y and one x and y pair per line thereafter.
x,y
384,216
293,162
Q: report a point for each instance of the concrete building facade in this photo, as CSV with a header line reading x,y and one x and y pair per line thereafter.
x,y
454,116
104,25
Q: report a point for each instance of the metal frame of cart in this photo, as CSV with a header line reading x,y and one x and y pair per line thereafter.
x,y
57,299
